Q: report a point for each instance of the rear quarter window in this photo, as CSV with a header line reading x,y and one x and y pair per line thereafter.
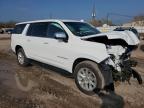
x,y
19,29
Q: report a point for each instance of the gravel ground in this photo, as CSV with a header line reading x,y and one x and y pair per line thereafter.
x,y
44,86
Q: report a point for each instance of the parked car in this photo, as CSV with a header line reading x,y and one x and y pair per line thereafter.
x,y
95,59
9,30
1,31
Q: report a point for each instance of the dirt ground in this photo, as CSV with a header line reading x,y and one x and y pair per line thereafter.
x,y
44,86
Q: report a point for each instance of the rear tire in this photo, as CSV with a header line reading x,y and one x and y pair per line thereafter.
x,y
88,77
21,58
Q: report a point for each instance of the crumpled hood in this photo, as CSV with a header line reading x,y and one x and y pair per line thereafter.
x,y
128,36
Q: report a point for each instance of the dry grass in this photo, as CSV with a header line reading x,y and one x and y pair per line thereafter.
x,y
142,35
4,38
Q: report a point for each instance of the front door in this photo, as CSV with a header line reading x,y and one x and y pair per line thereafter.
x,y
58,51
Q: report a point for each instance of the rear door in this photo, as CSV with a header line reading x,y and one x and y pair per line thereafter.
x,y
36,40
17,37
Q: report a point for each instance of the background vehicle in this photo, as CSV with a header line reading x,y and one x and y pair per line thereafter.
x,y
95,59
9,30
128,28
1,31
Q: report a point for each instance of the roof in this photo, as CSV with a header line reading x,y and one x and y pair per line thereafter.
x,y
48,20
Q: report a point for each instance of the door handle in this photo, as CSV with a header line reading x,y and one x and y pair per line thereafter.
x,y
45,43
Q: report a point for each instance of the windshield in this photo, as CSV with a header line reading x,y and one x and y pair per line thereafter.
x,y
81,29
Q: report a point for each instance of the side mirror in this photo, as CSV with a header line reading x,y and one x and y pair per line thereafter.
x,y
61,36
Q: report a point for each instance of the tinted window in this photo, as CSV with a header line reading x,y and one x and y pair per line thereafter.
x,y
38,29
19,29
54,28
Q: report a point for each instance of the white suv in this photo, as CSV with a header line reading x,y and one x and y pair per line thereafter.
x,y
95,59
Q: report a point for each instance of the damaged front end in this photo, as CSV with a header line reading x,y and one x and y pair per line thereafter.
x,y
119,47
122,71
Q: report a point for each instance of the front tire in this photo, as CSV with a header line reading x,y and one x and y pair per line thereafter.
x,y
88,77
21,58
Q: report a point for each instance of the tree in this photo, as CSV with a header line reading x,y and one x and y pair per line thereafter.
x,y
105,21
138,18
10,24
96,23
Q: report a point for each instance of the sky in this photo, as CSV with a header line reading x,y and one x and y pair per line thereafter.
x,y
25,10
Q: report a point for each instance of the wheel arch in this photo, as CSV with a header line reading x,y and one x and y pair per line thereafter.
x,y
102,80
78,60
17,48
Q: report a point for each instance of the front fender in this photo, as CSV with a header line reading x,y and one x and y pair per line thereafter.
x,y
92,50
